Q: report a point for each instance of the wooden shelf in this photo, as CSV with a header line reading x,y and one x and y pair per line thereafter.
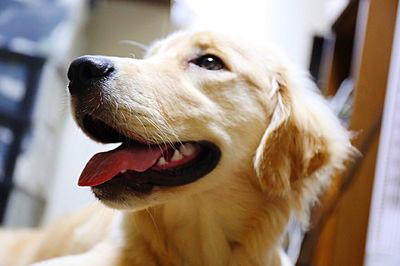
x,y
338,52
360,49
371,67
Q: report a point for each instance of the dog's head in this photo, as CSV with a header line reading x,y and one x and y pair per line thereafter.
x,y
200,111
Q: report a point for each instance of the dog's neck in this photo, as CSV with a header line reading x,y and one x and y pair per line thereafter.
x,y
208,229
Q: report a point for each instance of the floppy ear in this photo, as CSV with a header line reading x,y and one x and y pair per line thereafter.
x,y
304,141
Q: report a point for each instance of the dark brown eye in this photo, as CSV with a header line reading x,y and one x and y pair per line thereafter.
x,y
208,61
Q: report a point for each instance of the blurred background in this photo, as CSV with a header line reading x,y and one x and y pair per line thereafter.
x,y
351,48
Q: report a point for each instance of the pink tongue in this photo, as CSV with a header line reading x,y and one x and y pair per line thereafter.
x,y
103,166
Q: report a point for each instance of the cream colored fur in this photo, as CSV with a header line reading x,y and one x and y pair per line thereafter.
x,y
280,144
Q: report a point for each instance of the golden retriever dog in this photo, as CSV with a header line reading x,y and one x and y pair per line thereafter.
x,y
222,143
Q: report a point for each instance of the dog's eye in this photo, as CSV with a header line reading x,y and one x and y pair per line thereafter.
x,y
208,61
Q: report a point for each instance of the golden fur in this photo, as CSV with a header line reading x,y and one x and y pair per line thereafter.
x,y
279,140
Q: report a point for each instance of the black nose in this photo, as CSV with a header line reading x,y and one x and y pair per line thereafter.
x,y
86,71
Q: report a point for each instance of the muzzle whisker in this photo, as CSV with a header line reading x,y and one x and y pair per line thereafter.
x,y
146,133
158,130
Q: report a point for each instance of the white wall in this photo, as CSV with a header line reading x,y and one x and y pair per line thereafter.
x,y
290,24
136,20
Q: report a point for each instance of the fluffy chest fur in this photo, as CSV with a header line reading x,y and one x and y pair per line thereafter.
x,y
214,228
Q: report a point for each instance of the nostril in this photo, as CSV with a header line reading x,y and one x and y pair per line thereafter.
x,y
87,70
94,70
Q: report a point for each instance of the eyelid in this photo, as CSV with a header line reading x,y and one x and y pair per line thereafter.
x,y
198,56
197,59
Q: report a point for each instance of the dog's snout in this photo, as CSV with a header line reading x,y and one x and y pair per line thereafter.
x,y
85,71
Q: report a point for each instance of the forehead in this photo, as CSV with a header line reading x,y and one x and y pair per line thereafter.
x,y
187,41
247,57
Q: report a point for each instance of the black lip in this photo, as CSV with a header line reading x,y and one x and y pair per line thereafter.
x,y
143,183
100,131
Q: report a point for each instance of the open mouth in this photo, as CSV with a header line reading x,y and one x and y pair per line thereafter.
x,y
138,167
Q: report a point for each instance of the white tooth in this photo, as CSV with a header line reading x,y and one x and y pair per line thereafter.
x,y
123,171
187,149
177,156
162,161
